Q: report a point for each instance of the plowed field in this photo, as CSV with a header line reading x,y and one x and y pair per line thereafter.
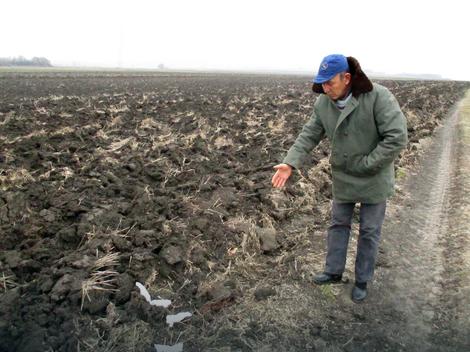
x,y
111,179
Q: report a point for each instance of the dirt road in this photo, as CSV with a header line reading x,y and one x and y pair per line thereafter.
x,y
427,246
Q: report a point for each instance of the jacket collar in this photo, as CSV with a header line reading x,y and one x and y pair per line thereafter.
x,y
360,82
348,109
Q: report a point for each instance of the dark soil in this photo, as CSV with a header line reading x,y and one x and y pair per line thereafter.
x,y
111,179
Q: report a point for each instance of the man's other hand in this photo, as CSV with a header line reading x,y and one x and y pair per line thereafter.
x,y
281,176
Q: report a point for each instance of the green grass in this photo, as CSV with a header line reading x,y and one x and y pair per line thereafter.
x,y
400,173
327,291
465,118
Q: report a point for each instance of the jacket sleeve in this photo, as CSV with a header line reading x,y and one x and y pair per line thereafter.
x,y
312,133
392,130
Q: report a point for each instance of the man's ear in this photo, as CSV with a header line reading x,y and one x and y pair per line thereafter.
x,y
347,76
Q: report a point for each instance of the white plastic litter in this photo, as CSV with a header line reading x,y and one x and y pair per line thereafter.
x,y
154,302
164,348
171,319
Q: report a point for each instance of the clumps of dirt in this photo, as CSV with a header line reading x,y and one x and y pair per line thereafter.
x,y
164,181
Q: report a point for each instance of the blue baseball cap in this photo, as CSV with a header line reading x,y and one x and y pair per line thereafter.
x,y
330,66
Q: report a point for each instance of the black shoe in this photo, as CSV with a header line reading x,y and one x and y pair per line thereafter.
x,y
324,278
358,294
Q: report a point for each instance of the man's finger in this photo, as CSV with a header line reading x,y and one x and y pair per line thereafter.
x,y
276,175
280,182
275,178
277,182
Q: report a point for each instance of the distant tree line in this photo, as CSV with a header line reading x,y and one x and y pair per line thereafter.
x,y
22,61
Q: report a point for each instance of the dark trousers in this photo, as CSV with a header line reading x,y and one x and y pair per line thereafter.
x,y
371,219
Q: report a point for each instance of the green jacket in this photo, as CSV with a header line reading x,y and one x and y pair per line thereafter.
x,y
365,137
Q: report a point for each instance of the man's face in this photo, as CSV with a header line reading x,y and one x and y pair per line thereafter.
x,y
338,86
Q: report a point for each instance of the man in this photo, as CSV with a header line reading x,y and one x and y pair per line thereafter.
x,y
367,131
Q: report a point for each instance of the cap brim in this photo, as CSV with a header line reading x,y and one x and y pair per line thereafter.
x,y
321,79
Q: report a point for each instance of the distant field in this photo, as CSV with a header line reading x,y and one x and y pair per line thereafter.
x,y
64,69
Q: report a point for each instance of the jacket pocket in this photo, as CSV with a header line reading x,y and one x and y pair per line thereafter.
x,y
337,161
357,166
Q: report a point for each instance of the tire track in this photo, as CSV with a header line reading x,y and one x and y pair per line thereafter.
x,y
428,248
455,305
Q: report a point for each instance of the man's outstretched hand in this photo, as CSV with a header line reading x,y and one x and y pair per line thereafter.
x,y
282,174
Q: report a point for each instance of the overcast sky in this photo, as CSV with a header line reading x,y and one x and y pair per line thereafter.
x,y
392,36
